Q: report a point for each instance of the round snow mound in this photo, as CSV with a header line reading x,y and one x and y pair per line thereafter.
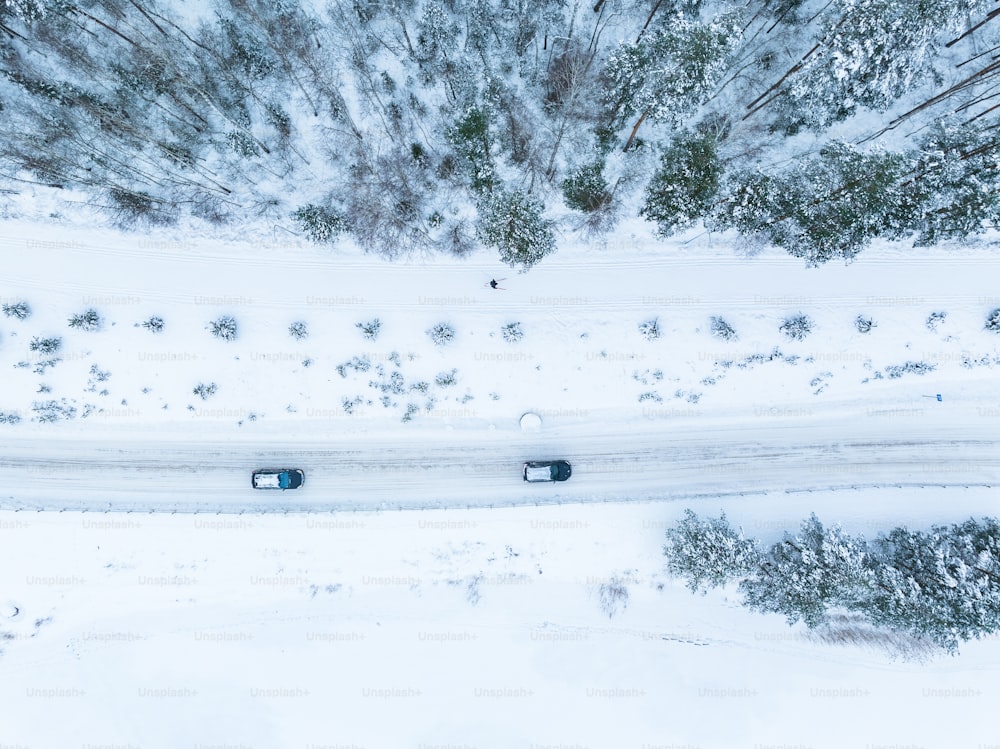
x,y
531,422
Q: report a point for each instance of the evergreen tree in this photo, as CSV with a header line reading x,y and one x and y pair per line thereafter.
x,y
829,207
319,223
473,141
512,222
955,187
686,183
869,53
671,70
709,552
585,189
943,585
801,577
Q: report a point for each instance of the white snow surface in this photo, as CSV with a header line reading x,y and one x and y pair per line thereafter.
x,y
415,592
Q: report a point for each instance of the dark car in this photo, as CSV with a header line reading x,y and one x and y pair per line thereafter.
x,y
547,470
278,478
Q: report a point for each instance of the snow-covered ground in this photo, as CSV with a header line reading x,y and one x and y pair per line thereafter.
x,y
475,624
457,628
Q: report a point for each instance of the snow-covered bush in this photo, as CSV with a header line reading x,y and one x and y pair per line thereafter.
x,y
650,329
512,332
446,379
204,391
864,324
613,596
298,330
225,328
722,329
45,345
797,327
52,411
9,417
895,371
319,223
934,319
154,324
993,321
18,310
358,364
442,334
369,329
88,320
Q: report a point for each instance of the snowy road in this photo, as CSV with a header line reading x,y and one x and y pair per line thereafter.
x,y
770,436
629,462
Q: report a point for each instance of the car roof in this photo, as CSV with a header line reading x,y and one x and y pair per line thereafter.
x,y
538,472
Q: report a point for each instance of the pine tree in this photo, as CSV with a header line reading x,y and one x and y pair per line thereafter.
x,y
803,576
685,185
671,70
829,207
955,187
512,222
868,53
943,585
709,552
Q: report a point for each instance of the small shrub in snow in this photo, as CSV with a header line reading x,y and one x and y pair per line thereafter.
x,y
349,405
512,332
895,371
319,223
41,366
89,320
52,411
204,391
722,329
224,328
797,327
650,329
411,409
154,324
864,324
356,363
421,387
613,595
45,345
935,319
993,321
650,396
298,330
98,374
9,418
446,379
442,334
17,310
369,329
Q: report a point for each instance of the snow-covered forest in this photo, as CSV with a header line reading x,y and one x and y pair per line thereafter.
x,y
445,125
